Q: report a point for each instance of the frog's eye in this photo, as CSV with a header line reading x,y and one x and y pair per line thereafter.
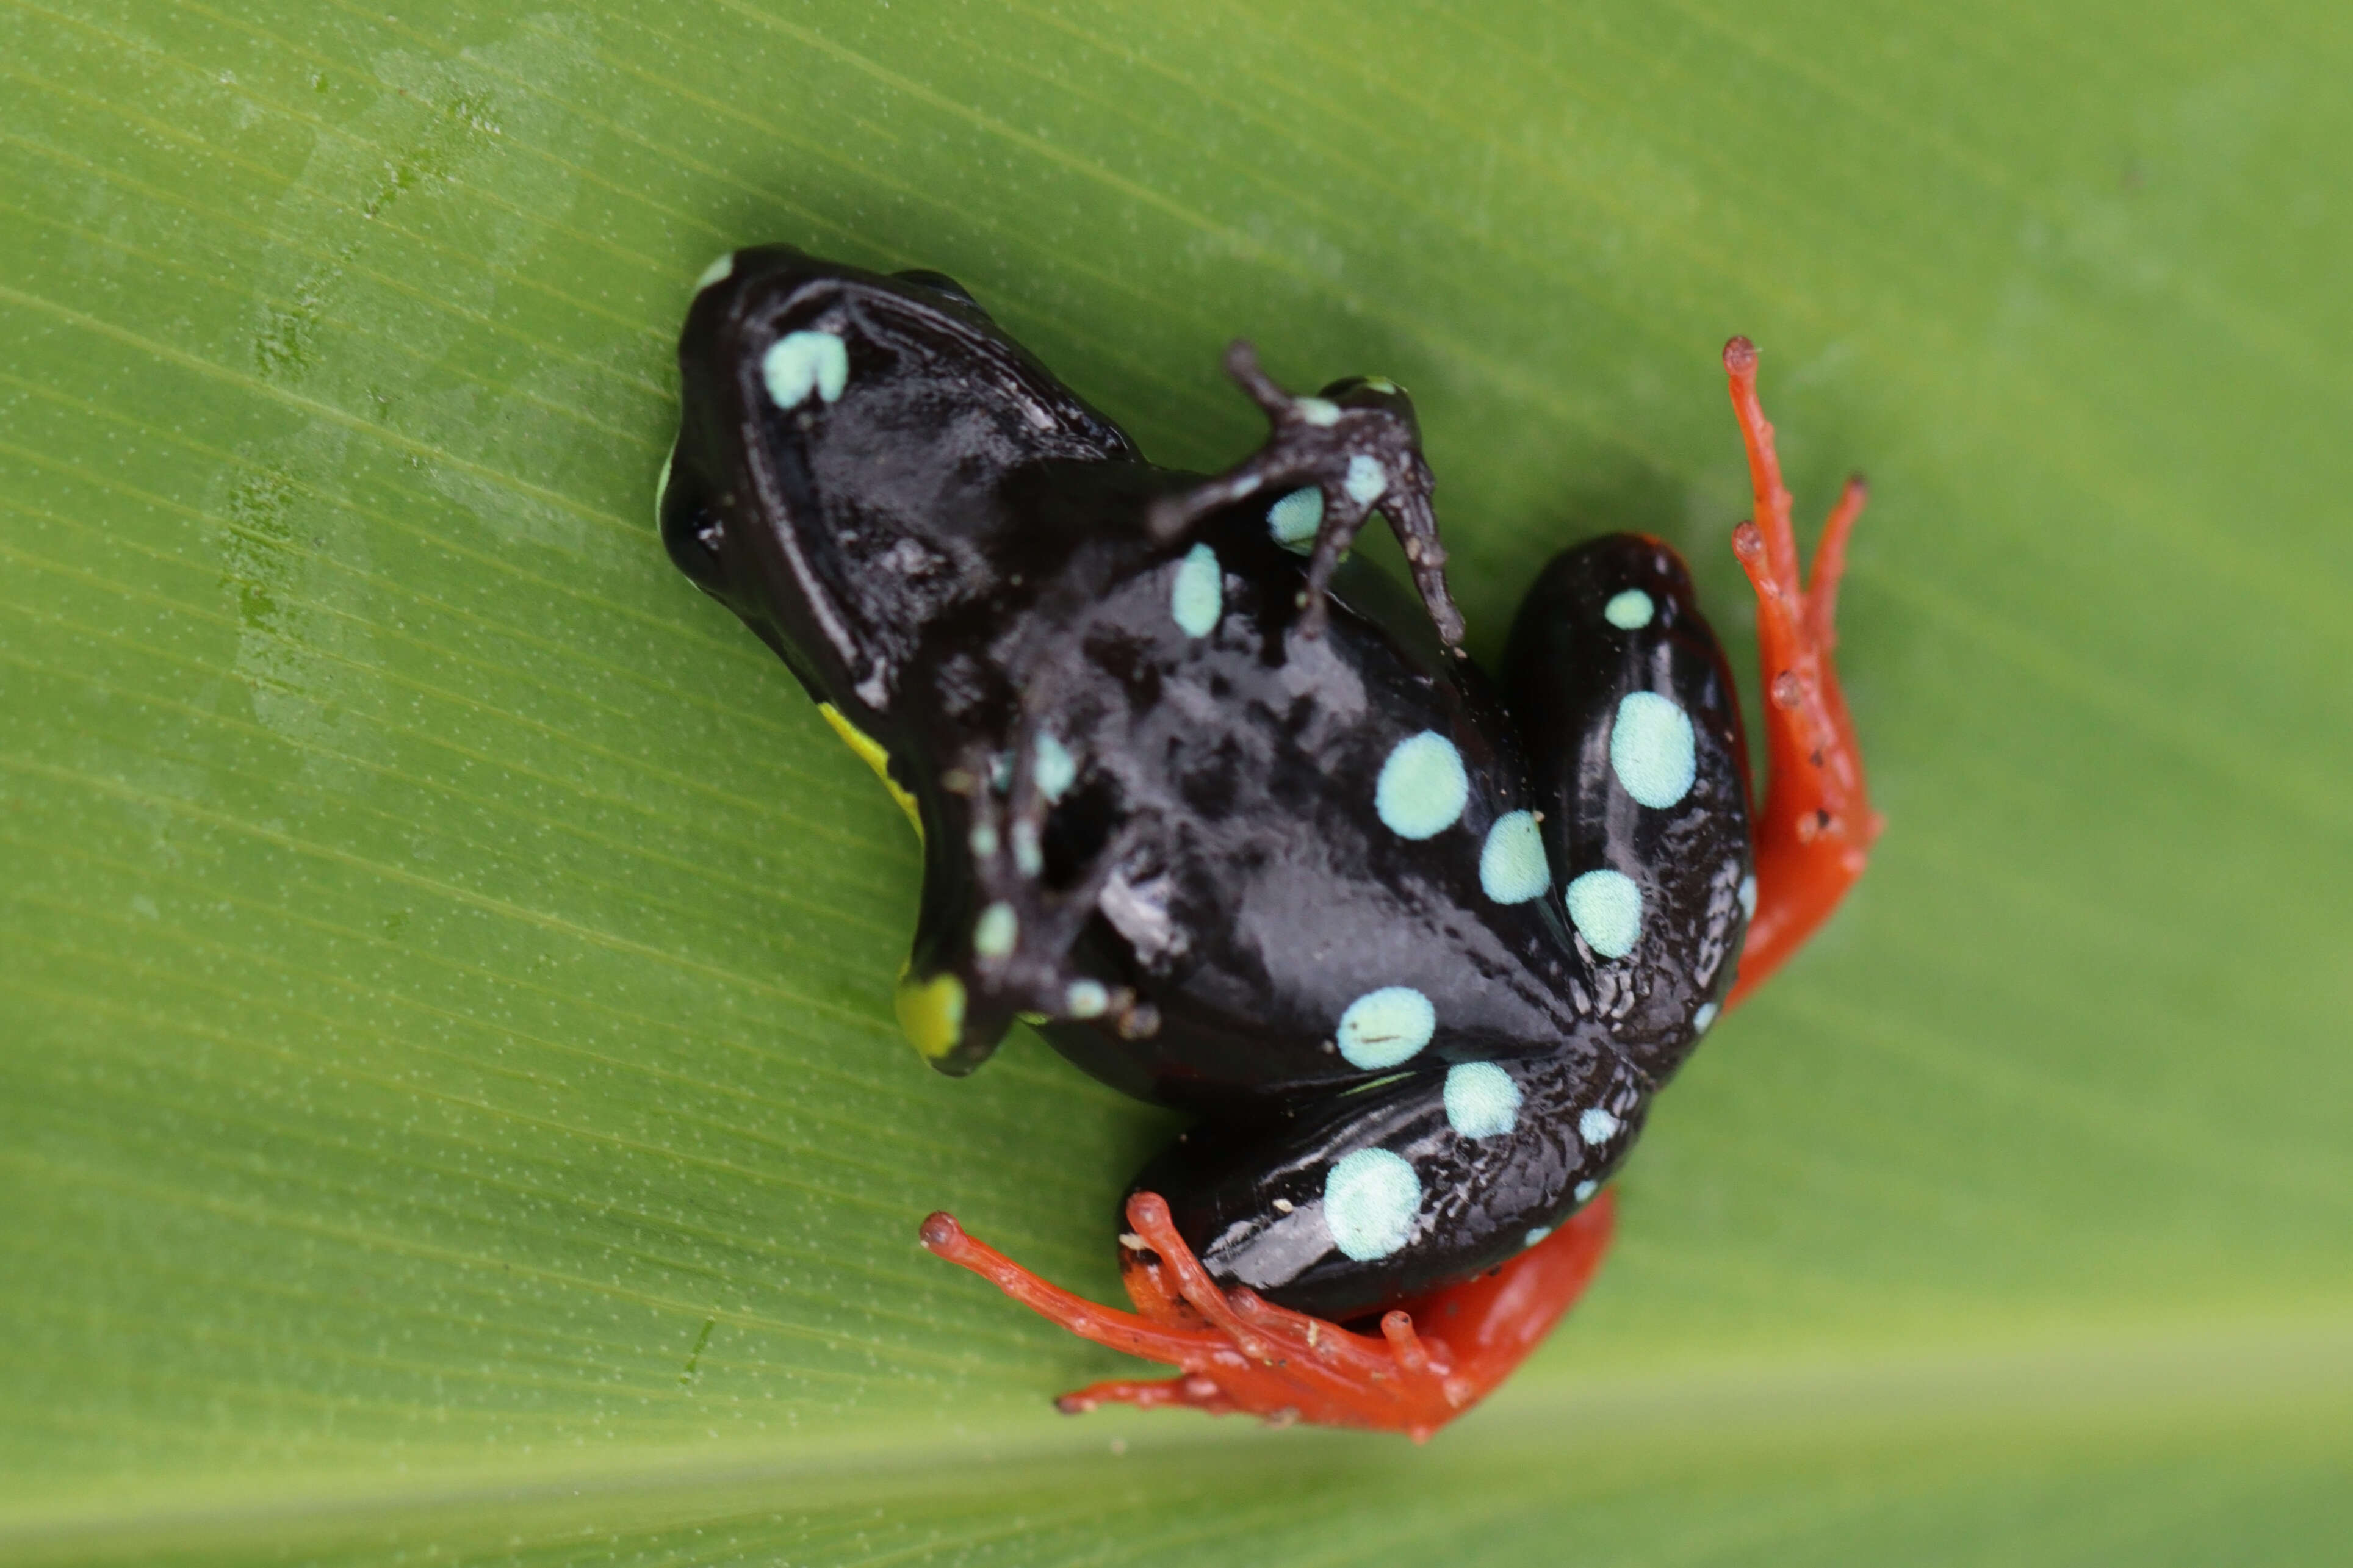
x,y
941,283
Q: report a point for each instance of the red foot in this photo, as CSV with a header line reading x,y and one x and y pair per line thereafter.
x,y
1242,1354
1818,825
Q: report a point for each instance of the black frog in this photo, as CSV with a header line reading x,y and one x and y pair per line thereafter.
x,y
1222,809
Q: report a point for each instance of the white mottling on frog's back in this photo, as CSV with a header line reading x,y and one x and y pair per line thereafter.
x,y
1482,1099
1652,748
1422,787
1197,598
801,362
1606,906
1512,867
994,934
1292,520
1629,611
1383,1028
1370,1198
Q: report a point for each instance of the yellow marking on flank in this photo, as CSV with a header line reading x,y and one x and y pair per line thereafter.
x,y
932,1012
869,751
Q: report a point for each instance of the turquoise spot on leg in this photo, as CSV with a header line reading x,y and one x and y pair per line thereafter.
x,y
1369,1200
1535,1236
1482,1101
1607,909
1293,519
1320,412
1512,868
1629,611
994,934
1597,1127
1423,787
1086,999
1704,1017
717,272
801,362
1651,749
1367,481
1748,897
1382,1028
1198,597
1056,769
1584,1191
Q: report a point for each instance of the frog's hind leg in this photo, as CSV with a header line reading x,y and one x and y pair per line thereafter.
x,y
1251,1357
1358,448
1816,831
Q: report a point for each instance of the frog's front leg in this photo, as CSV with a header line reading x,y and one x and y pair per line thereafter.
x,y
1352,449
1816,831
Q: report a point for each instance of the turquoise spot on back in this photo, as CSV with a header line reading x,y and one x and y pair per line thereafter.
x,y
1198,597
1371,1197
1482,1099
994,934
1629,611
801,362
1293,519
1422,788
1651,749
1383,1028
1607,909
1512,868
1054,769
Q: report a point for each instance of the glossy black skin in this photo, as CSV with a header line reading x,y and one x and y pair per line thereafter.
x,y
958,553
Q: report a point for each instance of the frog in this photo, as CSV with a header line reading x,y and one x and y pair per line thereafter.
x,y
1226,812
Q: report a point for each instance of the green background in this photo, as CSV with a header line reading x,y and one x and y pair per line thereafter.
x,y
450,1106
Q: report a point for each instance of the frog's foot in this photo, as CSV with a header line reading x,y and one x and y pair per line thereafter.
x,y
1817,827
1020,940
1240,1353
1357,446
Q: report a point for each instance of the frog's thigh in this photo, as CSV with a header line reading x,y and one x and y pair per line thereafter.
x,y
1622,698
1396,1190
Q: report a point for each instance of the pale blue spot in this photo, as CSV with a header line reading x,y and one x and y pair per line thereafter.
x,y
1367,481
1748,897
1369,1200
1320,411
1583,1192
1422,788
1293,519
1028,856
716,272
1629,611
1199,596
1537,1234
1056,769
1651,750
1597,1127
1512,868
1382,1028
1607,909
800,362
983,839
1086,999
1704,1017
1482,1101
1246,486
994,933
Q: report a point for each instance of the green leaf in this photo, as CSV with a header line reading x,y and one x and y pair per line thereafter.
x,y
449,1105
